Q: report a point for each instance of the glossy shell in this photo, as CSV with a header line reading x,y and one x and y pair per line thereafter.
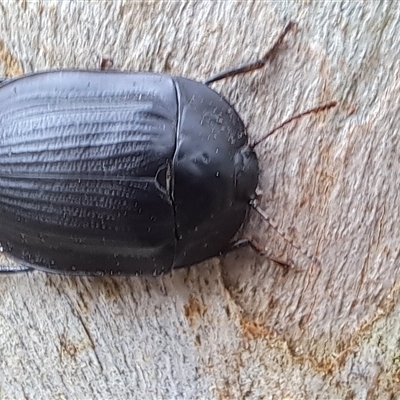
x,y
110,172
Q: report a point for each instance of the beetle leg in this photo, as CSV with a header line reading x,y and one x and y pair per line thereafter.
x,y
250,241
314,110
10,265
106,63
254,65
8,269
305,253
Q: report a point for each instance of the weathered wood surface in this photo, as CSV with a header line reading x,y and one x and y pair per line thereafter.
x,y
239,326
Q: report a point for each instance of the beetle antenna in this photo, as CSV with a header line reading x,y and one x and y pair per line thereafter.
x,y
298,116
254,65
302,250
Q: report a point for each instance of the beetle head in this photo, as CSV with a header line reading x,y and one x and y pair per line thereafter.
x,y
246,173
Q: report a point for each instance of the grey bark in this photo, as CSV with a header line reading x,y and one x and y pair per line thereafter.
x,y
238,326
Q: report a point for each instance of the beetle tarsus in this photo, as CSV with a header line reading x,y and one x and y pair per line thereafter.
x,y
253,65
253,243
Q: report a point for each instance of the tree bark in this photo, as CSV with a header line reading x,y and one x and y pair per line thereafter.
x,y
239,326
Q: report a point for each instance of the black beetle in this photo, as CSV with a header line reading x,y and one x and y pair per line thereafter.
x,y
130,173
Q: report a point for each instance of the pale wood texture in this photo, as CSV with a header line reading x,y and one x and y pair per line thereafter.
x,y
239,326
